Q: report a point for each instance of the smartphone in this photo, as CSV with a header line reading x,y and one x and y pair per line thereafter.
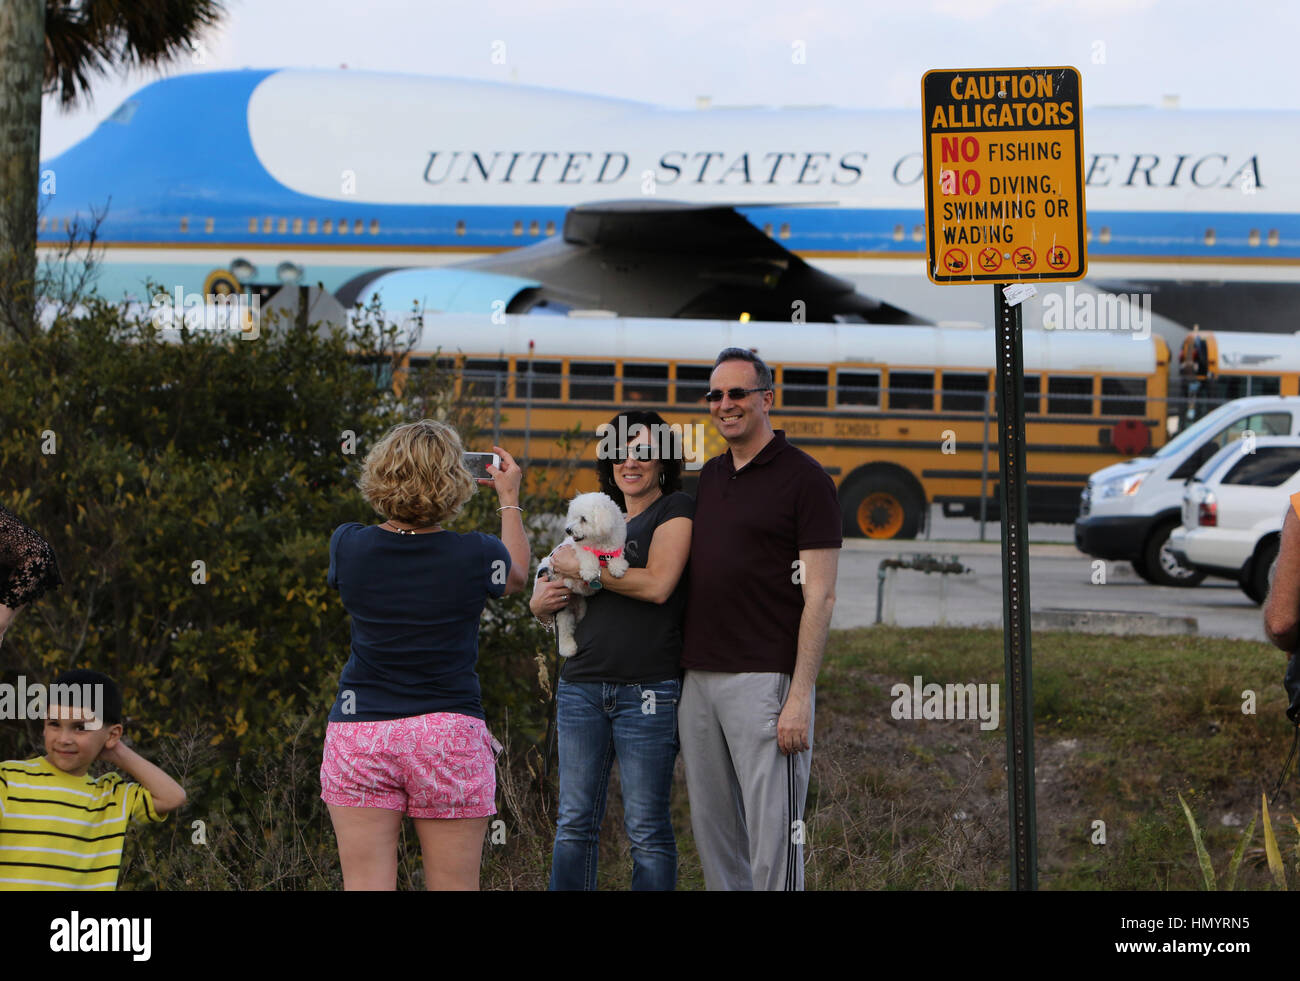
x,y
477,464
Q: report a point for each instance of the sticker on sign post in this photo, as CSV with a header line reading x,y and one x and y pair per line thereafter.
x,y
1004,196
1018,293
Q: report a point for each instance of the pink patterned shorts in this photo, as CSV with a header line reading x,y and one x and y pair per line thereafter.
x,y
440,765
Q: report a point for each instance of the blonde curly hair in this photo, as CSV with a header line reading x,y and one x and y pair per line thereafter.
x,y
415,474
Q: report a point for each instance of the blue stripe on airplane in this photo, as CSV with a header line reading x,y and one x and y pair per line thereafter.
x,y
236,188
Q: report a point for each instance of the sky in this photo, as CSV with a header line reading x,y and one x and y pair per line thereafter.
x,y
852,53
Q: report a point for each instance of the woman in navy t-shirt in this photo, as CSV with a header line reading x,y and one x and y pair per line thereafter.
x,y
618,695
406,734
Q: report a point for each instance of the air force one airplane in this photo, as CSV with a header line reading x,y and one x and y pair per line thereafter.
x,y
469,196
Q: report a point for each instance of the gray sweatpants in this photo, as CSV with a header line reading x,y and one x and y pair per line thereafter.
x,y
746,796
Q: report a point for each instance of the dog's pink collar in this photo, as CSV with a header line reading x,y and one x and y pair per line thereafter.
x,y
604,556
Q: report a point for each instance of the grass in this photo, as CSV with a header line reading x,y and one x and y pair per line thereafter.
x,y
1122,727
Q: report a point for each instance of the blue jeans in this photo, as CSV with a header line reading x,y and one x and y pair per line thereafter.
x,y
638,725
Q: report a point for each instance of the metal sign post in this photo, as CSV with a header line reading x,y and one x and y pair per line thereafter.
x,y
1015,593
1004,202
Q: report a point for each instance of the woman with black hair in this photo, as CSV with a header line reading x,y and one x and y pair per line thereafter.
x,y
28,568
618,695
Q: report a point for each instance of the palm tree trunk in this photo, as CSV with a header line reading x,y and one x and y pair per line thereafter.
x,y
22,61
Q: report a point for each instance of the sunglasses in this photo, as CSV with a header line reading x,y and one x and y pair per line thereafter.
x,y
735,394
638,451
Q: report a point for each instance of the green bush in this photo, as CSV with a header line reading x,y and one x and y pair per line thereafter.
x,y
189,488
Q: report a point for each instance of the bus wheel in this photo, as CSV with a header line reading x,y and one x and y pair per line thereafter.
x,y
1161,568
880,507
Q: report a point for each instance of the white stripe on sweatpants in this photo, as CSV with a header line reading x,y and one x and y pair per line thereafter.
x,y
745,794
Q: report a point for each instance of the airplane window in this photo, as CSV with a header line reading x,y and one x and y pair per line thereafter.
x,y
1272,236
518,228
1209,236
252,226
1253,238
460,228
358,226
266,226
327,226
208,225
343,226
185,224
297,226
282,225
550,228
311,226
374,226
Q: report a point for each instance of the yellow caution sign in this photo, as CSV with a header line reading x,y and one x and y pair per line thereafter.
x,y
1003,175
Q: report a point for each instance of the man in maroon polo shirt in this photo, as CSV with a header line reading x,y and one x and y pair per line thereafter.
x,y
761,591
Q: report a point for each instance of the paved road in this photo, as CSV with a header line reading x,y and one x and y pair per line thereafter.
x,y
1060,577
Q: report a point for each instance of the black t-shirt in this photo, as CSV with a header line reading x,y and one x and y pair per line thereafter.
x,y
627,641
746,601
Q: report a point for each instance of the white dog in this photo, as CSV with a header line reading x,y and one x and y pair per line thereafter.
x,y
597,531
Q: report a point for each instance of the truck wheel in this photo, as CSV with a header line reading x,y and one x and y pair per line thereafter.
x,y
1162,569
1256,584
880,506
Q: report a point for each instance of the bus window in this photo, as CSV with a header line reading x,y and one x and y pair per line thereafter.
x,y
545,381
911,390
858,388
645,383
964,392
693,382
600,388
804,387
1226,388
1123,396
1033,388
1069,396
485,379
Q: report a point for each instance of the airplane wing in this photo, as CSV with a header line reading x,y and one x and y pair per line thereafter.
x,y
655,258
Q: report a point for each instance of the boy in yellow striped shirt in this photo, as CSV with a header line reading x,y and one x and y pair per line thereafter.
x,y
61,828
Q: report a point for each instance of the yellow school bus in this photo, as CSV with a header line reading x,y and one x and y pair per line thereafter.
x,y
1218,367
901,417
